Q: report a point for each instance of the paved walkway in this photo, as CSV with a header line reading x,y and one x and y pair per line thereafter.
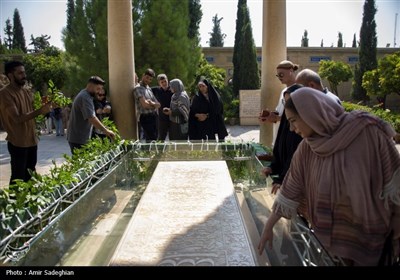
x,y
52,147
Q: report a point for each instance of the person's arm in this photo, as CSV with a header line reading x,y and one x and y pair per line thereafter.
x,y
97,124
267,235
12,111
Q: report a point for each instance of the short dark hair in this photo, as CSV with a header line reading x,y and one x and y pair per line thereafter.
x,y
289,105
96,80
150,72
10,66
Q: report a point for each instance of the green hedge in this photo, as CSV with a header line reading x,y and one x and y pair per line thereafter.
x,y
387,115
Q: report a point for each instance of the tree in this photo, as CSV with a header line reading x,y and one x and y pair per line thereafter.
x,y
3,48
167,47
8,32
322,43
237,46
245,67
44,67
40,43
250,74
18,33
195,15
217,37
212,73
340,40
354,44
86,43
304,39
367,50
384,80
335,72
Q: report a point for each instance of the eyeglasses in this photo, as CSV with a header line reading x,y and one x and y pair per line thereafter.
x,y
280,75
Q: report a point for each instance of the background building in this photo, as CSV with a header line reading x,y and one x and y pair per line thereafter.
x,y
307,58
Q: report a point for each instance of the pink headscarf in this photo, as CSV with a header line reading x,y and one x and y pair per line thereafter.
x,y
334,127
347,175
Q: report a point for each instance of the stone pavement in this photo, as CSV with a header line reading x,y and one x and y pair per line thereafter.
x,y
52,147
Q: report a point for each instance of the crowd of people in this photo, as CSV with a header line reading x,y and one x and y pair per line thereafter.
x,y
340,171
167,110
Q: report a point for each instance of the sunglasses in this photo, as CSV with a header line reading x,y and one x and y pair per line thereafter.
x,y
280,75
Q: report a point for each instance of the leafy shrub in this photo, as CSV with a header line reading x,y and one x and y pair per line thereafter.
x,y
386,115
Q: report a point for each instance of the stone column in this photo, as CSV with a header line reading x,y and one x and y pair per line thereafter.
x,y
273,52
122,67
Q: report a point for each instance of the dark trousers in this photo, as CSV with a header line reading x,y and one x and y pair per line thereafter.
x,y
149,124
22,160
74,146
163,129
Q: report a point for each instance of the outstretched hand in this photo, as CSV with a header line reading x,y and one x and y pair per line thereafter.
x,y
266,238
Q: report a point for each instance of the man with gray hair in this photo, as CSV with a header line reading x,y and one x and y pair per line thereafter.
x,y
309,78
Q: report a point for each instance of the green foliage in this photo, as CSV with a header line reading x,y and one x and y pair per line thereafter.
x,y
85,40
304,39
42,68
340,40
367,50
18,41
8,33
217,37
245,67
171,33
387,115
354,44
195,15
40,43
53,95
335,72
385,79
38,191
212,73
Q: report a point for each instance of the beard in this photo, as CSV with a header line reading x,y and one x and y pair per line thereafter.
x,y
20,82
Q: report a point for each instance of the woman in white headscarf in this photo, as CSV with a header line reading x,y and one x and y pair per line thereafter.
x,y
178,111
344,177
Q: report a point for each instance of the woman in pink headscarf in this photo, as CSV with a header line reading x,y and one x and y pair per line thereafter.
x,y
345,178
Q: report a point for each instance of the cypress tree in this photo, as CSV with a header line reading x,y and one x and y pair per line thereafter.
x,y
18,33
304,39
340,40
354,44
367,50
86,43
165,43
195,15
237,46
217,37
250,75
8,32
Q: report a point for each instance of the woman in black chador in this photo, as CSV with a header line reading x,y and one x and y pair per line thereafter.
x,y
206,114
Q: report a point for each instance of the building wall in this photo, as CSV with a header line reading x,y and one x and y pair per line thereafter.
x,y
307,58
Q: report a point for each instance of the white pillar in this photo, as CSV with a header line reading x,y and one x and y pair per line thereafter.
x,y
122,67
273,52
